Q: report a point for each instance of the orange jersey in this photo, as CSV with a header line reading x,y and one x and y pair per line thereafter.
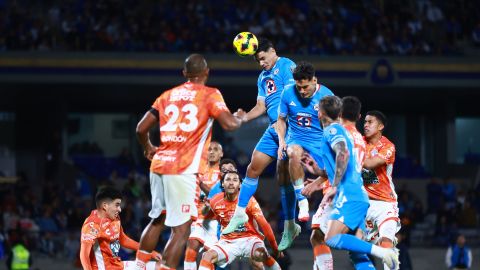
x,y
359,149
378,182
186,115
104,234
210,178
223,210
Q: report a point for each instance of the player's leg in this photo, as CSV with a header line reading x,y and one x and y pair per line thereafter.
x,y
151,233
361,261
264,153
288,200
193,246
337,236
386,219
208,259
260,254
297,174
322,254
181,211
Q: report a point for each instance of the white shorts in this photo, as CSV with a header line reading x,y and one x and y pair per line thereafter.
x,y
174,194
377,226
206,236
127,265
229,250
321,217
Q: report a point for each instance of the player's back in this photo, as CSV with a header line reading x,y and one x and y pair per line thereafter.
x,y
378,182
224,210
104,234
186,115
271,84
351,185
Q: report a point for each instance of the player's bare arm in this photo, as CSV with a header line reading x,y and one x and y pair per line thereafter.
x,y
229,122
373,162
255,112
148,121
314,186
267,230
281,129
341,161
85,249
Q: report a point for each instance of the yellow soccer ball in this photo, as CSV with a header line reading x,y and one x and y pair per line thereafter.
x,y
245,44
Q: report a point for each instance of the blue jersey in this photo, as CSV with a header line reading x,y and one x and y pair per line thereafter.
x,y
302,115
351,186
271,84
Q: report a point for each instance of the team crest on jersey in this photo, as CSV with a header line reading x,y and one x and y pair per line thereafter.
x,y
374,152
316,107
304,121
275,72
271,87
332,131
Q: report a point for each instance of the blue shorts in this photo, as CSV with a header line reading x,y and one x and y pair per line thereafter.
x,y
268,144
313,149
352,214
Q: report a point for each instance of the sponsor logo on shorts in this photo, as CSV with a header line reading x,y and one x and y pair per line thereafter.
x,y
185,208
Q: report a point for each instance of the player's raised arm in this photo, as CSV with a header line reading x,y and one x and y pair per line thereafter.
x,y
256,111
229,122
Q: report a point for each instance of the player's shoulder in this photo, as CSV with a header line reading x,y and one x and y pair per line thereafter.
x,y
286,64
386,142
325,91
334,129
217,198
92,218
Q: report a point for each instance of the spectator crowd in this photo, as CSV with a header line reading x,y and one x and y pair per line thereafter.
x,y
367,27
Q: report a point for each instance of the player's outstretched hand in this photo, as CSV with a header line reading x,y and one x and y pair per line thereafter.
x,y
327,199
312,187
156,256
309,164
277,254
241,114
282,148
149,152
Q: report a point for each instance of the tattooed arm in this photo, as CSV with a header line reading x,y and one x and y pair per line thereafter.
x,y
341,161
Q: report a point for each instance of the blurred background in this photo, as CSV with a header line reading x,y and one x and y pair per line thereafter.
x,y
76,76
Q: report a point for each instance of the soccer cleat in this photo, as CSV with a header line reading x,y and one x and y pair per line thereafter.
x,y
303,213
235,223
288,236
391,259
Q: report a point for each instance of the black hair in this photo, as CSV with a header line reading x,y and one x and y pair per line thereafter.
x,y
227,161
351,107
304,71
107,193
225,174
379,115
332,106
264,45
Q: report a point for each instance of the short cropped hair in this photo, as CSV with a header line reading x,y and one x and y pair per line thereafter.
x,y
351,107
107,193
303,71
332,106
379,115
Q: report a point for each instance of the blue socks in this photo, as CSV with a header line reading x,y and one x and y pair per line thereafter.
x,y
289,202
349,242
361,261
248,188
299,195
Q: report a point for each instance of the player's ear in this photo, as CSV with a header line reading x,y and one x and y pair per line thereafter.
x,y
359,117
314,79
184,72
207,71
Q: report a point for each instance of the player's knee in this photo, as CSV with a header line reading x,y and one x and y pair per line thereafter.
x,y
317,237
294,152
388,230
209,256
194,244
259,255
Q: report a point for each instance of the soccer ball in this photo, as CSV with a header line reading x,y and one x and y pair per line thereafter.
x,y
245,44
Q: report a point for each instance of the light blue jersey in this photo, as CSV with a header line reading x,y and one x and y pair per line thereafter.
x,y
351,187
304,127
271,84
